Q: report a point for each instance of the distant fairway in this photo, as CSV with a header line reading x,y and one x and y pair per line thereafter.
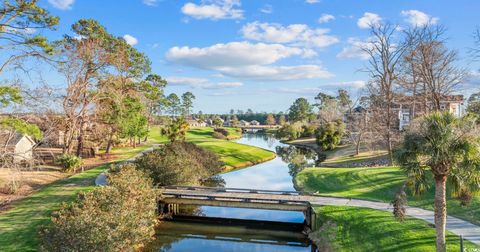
x,y
235,155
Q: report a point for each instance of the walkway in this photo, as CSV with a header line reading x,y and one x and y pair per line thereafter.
x,y
101,179
457,226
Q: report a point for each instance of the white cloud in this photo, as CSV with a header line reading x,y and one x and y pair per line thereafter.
x,y
369,19
325,18
267,9
232,54
247,60
353,84
188,81
312,1
358,84
232,84
418,18
20,31
354,50
131,40
201,83
214,9
277,73
62,4
150,2
300,91
296,34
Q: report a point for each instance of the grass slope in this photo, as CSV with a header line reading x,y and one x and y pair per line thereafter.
x,y
235,155
20,224
376,184
363,229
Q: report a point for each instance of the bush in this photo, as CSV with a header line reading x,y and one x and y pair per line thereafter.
x,y
290,131
68,162
222,131
179,163
218,135
330,135
308,130
117,217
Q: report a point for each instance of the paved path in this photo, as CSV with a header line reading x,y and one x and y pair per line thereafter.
x,y
457,226
101,179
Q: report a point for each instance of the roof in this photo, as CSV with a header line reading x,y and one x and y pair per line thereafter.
x,y
11,139
399,98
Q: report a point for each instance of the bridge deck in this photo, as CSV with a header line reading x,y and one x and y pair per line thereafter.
x,y
259,126
234,197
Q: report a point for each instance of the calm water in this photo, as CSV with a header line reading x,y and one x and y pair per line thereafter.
x,y
272,175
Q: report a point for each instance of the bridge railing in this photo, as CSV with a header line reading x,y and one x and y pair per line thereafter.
x,y
238,199
237,190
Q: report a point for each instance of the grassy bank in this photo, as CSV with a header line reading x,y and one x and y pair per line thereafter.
x,y
362,229
234,155
20,224
376,184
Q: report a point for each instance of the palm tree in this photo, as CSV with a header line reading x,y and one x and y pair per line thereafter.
x,y
177,129
449,148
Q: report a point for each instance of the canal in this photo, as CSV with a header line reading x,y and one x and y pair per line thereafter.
x,y
273,235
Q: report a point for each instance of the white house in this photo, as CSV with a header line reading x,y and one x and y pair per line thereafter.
x,y
19,146
255,123
404,106
244,123
196,124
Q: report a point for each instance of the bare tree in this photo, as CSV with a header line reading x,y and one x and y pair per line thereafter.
x,y
434,65
384,56
475,51
82,61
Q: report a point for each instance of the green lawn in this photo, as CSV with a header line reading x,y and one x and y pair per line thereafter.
x,y
363,229
235,155
20,224
376,184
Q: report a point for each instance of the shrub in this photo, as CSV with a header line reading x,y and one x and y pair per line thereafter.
x,y
218,135
308,130
329,135
290,131
179,163
117,217
222,131
68,162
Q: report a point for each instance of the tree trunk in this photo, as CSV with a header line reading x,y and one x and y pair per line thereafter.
x,y
80,140
389,132
109,144
440,211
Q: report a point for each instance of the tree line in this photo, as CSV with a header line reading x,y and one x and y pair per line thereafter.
x,y
110,92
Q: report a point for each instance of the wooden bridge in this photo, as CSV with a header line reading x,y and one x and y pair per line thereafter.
x,y
246,128
236,198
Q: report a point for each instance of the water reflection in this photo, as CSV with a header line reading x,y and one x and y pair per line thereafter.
x,y
276,174
191,236
296,158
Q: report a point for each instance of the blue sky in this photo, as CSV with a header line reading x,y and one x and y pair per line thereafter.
x,y
261,54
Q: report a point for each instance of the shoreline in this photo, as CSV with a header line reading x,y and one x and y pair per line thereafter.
x,y
247,164
308,143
